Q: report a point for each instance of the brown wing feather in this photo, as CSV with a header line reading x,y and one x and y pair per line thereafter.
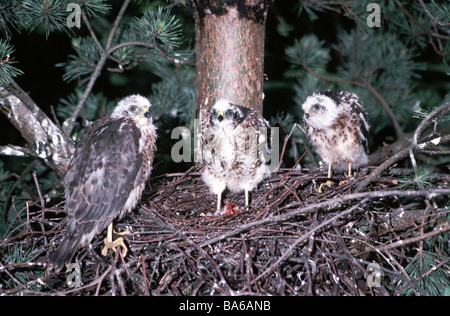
x,y
257,121
99,180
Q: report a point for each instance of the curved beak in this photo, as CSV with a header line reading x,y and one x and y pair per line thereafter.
x,y
307,113
220,116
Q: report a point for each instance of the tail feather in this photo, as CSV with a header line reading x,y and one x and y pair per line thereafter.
x,y
65,252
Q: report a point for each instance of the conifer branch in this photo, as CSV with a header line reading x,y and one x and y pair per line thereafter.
x,y
146,45
101,63
17,151
381,100
415,145
45,138
91,30
439,50
323,205
421,26
444,227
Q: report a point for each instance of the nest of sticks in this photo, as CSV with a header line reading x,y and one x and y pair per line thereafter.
x,y
359,237
291,240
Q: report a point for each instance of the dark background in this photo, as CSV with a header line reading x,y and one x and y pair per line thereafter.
x,y
37,56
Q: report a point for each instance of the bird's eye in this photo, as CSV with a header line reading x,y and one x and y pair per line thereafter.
x,y
133,108
316,107
214,113
229,113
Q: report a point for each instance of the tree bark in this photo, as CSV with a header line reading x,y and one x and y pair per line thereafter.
x,y
230,51
45,139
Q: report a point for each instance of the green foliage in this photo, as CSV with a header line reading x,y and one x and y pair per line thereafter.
x,y
174,96
158,26
96,106
17,186
311,9
427,279
309,50
377,60
173,105
378,64
7,71
380,57
441,12
10,188
46,16
94,7
426,108
421,179
82,65
8,16
20,254
50,14
153,38
284,28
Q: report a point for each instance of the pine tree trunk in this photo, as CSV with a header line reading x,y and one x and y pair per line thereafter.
x,y
230,51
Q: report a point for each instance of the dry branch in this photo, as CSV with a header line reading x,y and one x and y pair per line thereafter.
x,y
45,139
414,146
291,242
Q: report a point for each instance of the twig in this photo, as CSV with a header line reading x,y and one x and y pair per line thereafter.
x,y
144,276
11,191
104,56
41,199
413,146
386,107
335,202
426,121
429,32
444,227
286,139
397,157
91,31
306,236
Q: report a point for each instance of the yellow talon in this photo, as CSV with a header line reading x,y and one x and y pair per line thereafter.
x,y
112,244
349,175
328,183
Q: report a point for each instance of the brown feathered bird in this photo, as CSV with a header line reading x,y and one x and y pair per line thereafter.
x,y
337,125
107,175
235,146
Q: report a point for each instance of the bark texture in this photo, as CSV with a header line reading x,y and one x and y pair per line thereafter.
x,y
230,51
45,139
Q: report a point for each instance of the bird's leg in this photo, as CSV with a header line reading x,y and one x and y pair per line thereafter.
x,y
219,198
112,244
328,183
349,175
349,170
246,198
